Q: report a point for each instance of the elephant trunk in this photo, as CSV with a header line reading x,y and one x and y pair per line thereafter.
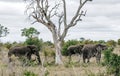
x,y
38,58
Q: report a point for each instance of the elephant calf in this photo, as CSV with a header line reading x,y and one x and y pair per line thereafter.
x,y
74,49
26,51
92,50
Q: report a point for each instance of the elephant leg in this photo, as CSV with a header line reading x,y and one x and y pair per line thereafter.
x,y
84,58
88,60
38,57
29,56
98,57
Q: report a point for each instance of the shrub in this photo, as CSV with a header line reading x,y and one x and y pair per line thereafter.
x,y
34,41
112,61
8,45
29,73
107,55
111,43
118,41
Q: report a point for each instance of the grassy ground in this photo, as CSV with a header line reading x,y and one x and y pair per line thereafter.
x,y
50,69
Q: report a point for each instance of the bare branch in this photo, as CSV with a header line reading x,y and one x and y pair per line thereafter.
x,y
60,22
77,14
47,5
79,18
75,19
80,2
54,9
64,9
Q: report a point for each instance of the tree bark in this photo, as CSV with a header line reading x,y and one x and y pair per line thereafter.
x,y
58,58
58,48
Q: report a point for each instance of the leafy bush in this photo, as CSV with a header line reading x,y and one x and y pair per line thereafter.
x,y
107,55
29,73
112,61
111,43
67,44
34,41
8,45
118,41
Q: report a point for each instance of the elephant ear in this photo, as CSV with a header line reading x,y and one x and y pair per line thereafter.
x,y
31,47
99,47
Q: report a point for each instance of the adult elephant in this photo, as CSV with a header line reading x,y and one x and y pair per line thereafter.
x,y
74,49
26,51
92,50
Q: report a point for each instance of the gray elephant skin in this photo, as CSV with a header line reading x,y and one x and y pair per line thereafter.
x,y
92,50
74,49
26,51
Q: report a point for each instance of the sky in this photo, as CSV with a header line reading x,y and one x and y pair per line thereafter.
x,y
102,21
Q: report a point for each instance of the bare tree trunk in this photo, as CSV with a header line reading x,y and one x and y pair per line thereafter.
x,y
58,58
58,48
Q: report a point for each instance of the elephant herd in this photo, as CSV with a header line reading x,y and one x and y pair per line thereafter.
x,y
87,51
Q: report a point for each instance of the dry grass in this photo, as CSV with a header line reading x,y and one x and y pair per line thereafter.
x,y
73,69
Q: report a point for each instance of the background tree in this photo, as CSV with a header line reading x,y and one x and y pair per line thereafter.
x,y
42,12
32,37
30,32
3,31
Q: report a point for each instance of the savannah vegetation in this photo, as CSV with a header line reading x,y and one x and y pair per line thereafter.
x,y
109,65
54,54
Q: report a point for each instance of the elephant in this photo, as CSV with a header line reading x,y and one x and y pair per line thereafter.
x,y
74,49
93,50
26,51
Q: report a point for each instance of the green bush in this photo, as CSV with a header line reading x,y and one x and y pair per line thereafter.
x,y
34,41
67,44
29,73
8,45
107,55
118,41
112,61
111,43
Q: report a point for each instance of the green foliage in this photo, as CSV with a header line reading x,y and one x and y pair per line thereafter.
x,y
3,31
88,41
67,44
101,42
49,43
118,41
111,43
8,45
29,73
34,41
30,32
112,61
107,55
32,37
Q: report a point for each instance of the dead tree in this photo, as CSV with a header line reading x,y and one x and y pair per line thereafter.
x,y
42,12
